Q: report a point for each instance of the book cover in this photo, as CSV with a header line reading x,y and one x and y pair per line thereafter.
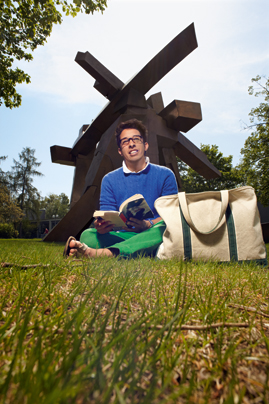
x,y
135,206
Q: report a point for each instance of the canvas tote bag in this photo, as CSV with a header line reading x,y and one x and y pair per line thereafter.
x,y
214,225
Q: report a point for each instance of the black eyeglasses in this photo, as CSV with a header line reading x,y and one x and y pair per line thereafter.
x,y
136,139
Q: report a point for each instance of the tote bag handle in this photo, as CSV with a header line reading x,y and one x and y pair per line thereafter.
x,y
224,195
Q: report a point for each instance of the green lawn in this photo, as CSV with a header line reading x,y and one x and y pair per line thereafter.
x,y
137,331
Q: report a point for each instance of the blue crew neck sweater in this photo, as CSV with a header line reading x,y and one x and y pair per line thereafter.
x,y
154,181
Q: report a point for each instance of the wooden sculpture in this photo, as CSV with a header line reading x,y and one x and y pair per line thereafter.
x,y
95,152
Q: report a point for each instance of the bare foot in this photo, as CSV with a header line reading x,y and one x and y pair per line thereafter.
x,y
76,247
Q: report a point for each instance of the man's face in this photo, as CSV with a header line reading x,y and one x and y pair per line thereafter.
x,y
132,152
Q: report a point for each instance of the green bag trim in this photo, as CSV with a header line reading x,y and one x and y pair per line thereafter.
x,y
231,234
262,262
186,237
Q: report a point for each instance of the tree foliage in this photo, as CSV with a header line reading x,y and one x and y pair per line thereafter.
x,y
3,174
193,182
255,161
20,201
55,205
25,24
21,178
10,212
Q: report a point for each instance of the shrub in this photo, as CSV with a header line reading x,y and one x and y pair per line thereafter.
x,y
7,231
29,229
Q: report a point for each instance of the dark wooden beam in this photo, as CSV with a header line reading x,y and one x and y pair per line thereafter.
x,y
83,164
77,217
169,57
62,155
155,101
182,115
131,98
87,142
106,82
171,162
195,158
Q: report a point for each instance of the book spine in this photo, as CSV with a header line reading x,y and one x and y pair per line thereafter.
x,y
123,218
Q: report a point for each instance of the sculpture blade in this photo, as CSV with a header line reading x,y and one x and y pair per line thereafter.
x,y
170,56
106,82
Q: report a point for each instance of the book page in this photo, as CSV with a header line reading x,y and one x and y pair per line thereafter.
x,y
110,215
138,209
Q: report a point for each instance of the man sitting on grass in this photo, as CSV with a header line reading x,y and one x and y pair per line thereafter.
x,y
137,175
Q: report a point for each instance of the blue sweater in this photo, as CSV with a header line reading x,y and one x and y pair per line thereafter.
x,y
154,181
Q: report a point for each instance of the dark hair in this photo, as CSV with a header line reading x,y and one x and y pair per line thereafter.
x,y
131,124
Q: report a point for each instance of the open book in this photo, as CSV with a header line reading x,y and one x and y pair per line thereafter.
x,y
135,206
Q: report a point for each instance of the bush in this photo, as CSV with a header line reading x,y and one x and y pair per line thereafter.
x,y
7,231
29,229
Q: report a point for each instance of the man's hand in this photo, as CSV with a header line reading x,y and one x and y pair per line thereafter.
x,y
138,225
103,226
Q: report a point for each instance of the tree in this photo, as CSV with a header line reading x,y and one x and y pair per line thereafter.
x,y
55,205
3,174
10,212
193,182
22,175
255,161
9,209
21,182
25,24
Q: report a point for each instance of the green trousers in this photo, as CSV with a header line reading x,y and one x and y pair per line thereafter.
x,y
126,244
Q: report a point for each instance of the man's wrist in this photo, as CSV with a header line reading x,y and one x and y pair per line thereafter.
x,y
150,223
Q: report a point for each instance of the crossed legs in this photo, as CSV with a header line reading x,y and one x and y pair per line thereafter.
x,y
125,244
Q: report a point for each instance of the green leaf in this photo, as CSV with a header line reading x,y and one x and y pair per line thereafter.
x,y
25,25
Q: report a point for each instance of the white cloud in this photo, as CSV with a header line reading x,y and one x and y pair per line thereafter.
x,y
127,36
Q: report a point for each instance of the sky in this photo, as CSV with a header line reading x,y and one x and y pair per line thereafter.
x,y
233,48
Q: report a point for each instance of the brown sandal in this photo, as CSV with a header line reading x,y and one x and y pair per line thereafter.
x,y
80,250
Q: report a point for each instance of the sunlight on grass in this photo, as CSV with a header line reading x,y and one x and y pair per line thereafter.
x,y
130,331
